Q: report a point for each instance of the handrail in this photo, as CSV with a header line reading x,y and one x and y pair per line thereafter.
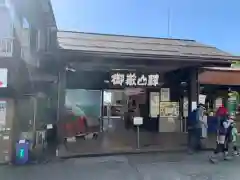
x,y
6,46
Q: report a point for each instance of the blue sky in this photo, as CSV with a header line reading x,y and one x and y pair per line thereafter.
x,y
214,22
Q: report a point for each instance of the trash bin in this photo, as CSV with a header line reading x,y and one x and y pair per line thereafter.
x,y
22,152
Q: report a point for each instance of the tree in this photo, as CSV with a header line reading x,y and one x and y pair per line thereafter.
x,y
235,64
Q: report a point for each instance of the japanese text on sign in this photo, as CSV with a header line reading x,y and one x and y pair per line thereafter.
x,y
131,79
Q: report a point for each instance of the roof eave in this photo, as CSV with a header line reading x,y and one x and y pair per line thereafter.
x,y
204,59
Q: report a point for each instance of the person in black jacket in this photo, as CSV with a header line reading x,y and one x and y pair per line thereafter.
x,y
192,134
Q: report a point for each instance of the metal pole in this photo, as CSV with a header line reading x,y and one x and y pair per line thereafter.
x,y
34,120
138,138
181,124
61,85
169,22
108,116
58,96
102,111
34,113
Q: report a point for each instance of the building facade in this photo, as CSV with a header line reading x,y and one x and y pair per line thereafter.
x,y
153,76
60,77
24,41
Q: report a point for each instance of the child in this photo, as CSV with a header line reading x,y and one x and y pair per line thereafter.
x,y
221,139
234,139
229,137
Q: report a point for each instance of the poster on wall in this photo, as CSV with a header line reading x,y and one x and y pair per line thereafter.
x,y
3,114
154,104
185,106
169,109
107,97
218,103
83,103
165,94
3,77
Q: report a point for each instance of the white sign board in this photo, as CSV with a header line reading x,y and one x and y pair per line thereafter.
x,y
194,105
3,77
133,79
202,98
137,121
133,91
49,126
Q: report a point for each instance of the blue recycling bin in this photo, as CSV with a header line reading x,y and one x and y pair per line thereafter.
x,y
212,124
22,153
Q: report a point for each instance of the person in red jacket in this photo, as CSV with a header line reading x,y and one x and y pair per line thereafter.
x,y
221,114
222,111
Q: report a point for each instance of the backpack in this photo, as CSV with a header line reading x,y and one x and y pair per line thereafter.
x,y
221,129
229,136
192,120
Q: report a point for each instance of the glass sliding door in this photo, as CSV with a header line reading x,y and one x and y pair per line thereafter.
x,y
83,105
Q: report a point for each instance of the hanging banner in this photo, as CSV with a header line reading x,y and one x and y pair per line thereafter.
x,y
232,103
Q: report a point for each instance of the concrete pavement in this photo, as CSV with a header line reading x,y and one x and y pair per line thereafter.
x,y
175,166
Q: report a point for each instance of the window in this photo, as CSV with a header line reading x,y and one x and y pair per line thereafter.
x,y
40,40
49,41
25,23
33,39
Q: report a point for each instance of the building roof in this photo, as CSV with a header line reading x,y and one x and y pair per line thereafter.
x,y
222,69
38,13
91,42
220,76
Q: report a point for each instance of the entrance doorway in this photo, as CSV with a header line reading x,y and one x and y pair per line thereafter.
x,y
82,112
120,106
